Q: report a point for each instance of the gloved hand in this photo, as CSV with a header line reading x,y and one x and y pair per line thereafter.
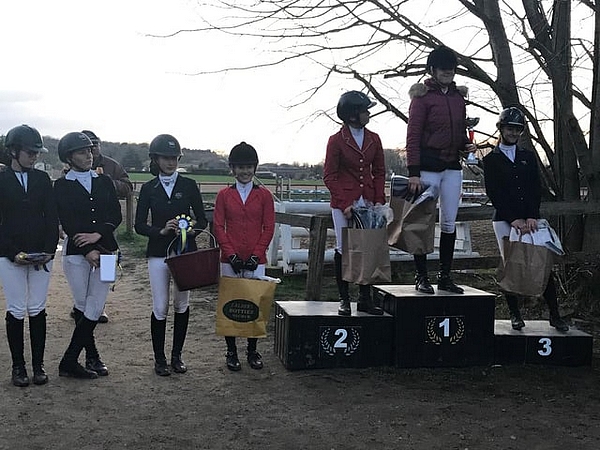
x,y
251,263
237,263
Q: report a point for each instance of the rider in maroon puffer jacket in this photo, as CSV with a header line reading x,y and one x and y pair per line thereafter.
x,y
436,138
436,135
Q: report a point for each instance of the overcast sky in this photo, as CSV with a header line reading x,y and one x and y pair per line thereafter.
x,y
74,64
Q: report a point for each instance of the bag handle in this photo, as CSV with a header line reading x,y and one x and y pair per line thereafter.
x,y
356,221
213,240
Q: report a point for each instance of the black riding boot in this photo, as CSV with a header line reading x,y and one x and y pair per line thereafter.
x,y
92,357
180,327
14,333
445,283
158,329
37,336
365,301
422,283
552,300
344,308
69,365
516,322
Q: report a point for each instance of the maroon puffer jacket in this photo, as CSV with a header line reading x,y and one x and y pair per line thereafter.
x,y
436,127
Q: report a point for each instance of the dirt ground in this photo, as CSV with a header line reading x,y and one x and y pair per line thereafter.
x,y
510,407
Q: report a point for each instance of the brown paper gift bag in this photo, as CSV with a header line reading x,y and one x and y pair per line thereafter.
x,y
244,307
526,268
413,227
365,256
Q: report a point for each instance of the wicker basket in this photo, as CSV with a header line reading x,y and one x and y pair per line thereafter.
x,y
195,269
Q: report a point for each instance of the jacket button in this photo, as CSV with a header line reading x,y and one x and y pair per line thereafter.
x,y
360,160
93,221
361,169
361,177
362,185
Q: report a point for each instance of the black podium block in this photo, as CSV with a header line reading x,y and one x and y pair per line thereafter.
x,y
539,343
311,335
440,330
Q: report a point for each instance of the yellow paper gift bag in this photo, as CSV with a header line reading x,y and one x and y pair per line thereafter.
x,y
244,307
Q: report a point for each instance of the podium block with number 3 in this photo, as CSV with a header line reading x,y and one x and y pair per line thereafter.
x,y
539,343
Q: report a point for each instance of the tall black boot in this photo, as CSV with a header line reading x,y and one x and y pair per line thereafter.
x,y
365,301
92,357
552,300
37,336
516,322
69,366
445,283
422,283
180,327
158,329
14,333
344,308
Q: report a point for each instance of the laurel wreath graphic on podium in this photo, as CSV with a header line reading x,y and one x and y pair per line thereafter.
x,y
460,331
433,336
351,343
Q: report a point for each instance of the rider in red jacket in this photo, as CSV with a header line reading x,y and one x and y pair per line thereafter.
x,y
354,171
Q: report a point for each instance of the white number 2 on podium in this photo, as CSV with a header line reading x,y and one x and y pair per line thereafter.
x,y
546,349
343,334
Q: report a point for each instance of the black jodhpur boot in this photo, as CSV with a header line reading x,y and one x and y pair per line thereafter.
x,y
422,283
253,357
445,283
231,357
158,329
14,333
344,308
37,336
180,327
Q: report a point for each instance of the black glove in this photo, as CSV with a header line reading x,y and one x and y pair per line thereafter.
x,y
237,264
251,263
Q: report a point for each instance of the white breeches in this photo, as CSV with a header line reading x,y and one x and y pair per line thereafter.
x,y
25,288
160,284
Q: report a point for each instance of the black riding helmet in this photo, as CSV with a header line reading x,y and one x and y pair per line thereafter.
x,y
243,154
93,137
352,103
24,137
164,145
71,142
442,58
511,116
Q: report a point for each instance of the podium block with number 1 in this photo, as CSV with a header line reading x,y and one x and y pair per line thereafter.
x,y
439,330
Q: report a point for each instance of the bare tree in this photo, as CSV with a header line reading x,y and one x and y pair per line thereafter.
x,y
515,54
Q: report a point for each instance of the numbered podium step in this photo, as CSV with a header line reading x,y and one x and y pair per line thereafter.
x,y
439,330
539,343
311,335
